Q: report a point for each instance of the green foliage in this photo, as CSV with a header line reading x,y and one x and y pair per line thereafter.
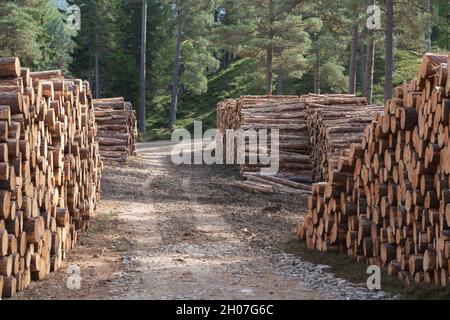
x,y
331,44
234,81
35,31
406,66
18,36
104,33
57,39
300,32
411,23
257,26
198,63
196,19
160,48
239,79
333,75
442,28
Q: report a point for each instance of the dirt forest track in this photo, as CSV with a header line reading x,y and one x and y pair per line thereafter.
x,y
183,232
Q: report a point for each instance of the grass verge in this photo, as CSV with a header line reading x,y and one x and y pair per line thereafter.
x,y
347,268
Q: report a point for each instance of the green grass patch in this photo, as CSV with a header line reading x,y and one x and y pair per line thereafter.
x,y
232,82
347,268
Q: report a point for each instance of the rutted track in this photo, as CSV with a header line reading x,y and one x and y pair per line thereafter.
x,y
182,232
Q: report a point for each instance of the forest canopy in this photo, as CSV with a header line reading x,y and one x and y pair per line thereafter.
x,y
285,43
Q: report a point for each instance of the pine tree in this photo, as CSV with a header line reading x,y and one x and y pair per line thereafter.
x,y
55,37
389,50
412,22
35,31
273,32
103,49
19,33
193,56
330,46
442,24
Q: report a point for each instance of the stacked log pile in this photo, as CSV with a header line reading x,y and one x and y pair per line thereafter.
x,y
258,114
50,171
388,201
117,128
333,122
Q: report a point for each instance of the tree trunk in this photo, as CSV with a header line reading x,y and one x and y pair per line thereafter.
x,y
269,51
269,67
429,30
175,80
362,67
280,81
353,58
91,69
97,69
368,83
142,104
317,74
226,60
389,47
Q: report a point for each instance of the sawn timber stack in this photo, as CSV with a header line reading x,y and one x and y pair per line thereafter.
x,y
50,171
256,115
314,130
117,128
388,202
333,122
